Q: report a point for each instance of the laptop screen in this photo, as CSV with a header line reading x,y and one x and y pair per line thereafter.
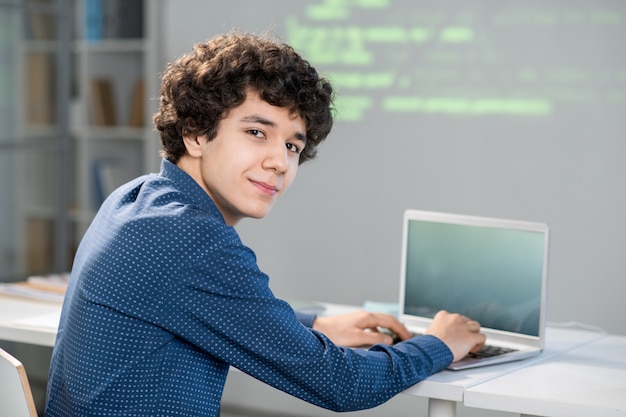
x,y
492,274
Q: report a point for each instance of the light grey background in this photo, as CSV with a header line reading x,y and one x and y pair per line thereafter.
x,y
336,234
8,115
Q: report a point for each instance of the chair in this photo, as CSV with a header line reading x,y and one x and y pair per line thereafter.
x,y
16,399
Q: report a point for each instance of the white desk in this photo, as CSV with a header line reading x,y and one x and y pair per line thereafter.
x,y
36,322
27,321
589,380
446,388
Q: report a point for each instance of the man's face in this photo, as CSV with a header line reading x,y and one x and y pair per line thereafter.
x,y
252,160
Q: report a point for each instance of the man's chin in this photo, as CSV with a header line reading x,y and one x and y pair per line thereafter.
x,y
260,213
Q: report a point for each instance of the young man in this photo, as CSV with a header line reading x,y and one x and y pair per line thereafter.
x,y
164,297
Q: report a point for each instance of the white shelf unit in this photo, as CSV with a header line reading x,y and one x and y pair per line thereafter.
x,y
111,120
123,149
38,136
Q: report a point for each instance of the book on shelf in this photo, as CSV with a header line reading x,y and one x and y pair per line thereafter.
x,y
113,19
50,287
123,19
39,235
102,102
40,99
136,117
93,20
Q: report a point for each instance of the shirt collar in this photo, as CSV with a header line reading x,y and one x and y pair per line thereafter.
x,y
189,186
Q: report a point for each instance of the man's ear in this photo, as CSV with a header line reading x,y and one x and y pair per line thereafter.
x,y
193,144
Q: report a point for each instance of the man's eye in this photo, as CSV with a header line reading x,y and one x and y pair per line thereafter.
x,y
257,133
293,148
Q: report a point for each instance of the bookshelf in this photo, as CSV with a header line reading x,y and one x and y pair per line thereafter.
x,y
111,117
37,138
76,106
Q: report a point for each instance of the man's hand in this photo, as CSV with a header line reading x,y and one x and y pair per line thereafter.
x,y
360,328
461,334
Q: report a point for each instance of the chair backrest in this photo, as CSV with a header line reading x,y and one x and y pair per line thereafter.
x,y
16,399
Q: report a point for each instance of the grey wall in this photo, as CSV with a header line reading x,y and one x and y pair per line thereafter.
x,y
552,150
8,116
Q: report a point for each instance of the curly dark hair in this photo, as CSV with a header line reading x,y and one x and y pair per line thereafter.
x,y
200,87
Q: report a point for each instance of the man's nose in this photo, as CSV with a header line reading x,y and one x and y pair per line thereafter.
x,y
277,158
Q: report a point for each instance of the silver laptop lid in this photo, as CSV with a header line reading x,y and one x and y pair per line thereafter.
x,y
492,270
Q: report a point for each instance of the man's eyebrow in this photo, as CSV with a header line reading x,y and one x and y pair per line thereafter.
x,y
262,120
300,136
258,119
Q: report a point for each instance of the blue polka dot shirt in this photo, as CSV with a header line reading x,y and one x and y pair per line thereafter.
x,y
164,297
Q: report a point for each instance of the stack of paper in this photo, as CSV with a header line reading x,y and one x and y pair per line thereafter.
x,y
41,287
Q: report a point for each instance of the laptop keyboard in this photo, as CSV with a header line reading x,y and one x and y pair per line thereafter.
x,y
488,351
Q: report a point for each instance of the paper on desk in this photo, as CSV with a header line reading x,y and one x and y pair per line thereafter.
x,y
34,292
42,287
51,282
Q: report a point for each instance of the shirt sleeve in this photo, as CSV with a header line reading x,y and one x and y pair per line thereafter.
x,y
224,306
306,319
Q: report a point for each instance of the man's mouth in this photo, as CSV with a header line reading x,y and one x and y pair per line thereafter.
x,y
266,188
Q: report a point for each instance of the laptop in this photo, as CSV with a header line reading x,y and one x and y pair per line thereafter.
x,y
491,270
